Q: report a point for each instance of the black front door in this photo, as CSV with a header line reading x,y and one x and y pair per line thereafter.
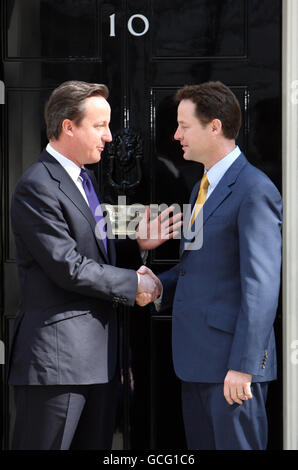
x,y
143,50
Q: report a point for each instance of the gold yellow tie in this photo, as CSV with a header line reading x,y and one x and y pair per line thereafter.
x,y
201,197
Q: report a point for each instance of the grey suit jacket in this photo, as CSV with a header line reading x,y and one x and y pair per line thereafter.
x,y
66,327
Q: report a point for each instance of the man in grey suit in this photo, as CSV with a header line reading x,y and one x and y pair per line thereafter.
x,y
63,361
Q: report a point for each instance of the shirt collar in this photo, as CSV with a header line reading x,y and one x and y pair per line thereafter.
x,y
217,171
69,166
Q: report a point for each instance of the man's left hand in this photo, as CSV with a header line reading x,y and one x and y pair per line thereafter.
x,y
237,387
152,233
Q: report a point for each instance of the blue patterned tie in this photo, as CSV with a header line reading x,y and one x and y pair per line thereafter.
x,y
95,206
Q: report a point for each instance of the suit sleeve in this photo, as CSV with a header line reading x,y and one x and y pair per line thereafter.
x,y
169,281
259,228
39,224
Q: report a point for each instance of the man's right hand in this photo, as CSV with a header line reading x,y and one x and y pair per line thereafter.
x,y
149,286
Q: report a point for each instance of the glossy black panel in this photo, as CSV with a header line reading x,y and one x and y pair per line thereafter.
x,y
25,138
52,29
11,288
165,390
168,162
140,378
199,29
8,398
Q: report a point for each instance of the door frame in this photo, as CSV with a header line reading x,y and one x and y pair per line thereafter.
x,y
290,223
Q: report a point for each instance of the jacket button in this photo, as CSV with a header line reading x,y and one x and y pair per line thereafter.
x,y
182,272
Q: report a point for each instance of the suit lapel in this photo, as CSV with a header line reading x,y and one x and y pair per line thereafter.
x,y
67,186
224,187
223,190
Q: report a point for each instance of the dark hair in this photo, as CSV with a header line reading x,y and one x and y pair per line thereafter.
x,y
67,102
214,100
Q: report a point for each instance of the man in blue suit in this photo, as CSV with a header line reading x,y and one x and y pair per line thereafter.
x,y
63,363
225,294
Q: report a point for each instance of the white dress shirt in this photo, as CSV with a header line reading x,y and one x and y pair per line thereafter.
x,y
217,171
70,167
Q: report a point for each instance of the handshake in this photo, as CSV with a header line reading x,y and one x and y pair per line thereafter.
x,y
149,286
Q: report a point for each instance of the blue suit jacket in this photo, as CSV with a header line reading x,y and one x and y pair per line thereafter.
x,y
65,330
225,294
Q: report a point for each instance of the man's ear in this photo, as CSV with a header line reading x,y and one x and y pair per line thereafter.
x,y
216,126
67,127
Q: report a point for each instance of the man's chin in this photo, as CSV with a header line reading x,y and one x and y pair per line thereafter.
x,y
95,159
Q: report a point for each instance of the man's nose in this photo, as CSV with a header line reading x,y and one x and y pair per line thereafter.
x,y
177,135
108,136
